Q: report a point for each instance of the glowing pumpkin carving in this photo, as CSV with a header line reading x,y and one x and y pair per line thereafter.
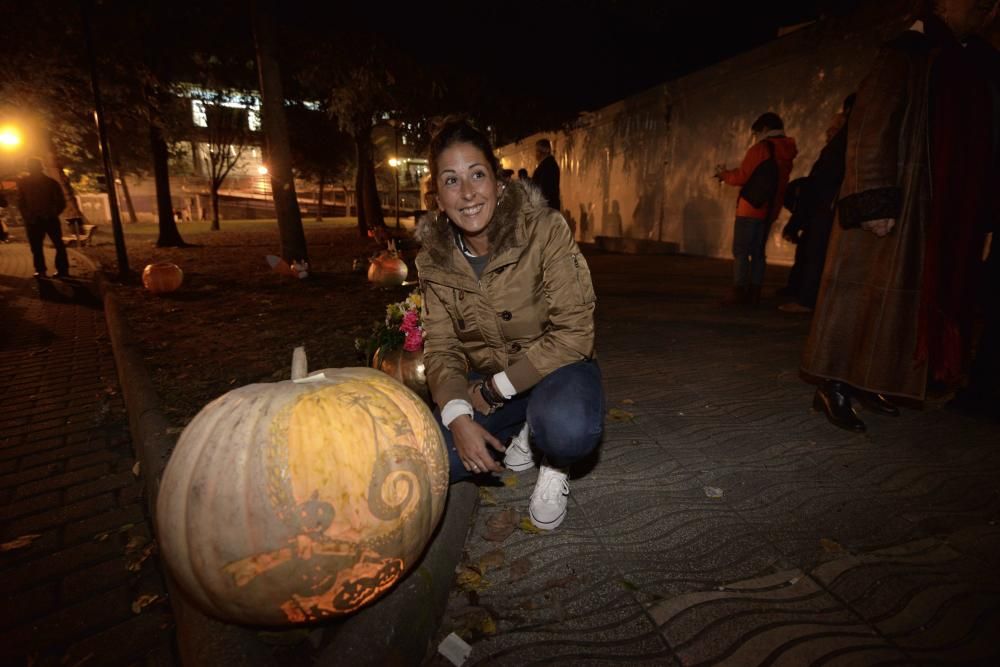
x,y
162,277
387,269
290,502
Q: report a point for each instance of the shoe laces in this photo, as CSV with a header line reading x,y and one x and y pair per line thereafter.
x,y
553,484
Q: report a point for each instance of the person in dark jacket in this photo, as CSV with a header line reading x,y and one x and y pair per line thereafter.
x,y
546,175
812,219
40,200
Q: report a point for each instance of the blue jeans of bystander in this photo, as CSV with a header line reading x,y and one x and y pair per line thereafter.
x,y
749,242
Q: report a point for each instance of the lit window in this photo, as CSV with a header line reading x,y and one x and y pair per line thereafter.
x,y
253,119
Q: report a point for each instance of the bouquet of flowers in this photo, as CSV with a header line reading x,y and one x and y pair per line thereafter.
x,y
403,328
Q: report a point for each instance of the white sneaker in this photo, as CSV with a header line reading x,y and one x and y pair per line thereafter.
x,y
548,501
519,456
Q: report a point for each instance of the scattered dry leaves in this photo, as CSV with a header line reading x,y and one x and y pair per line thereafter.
x,y
619,415
519,567
486,497
528,527
500,525
144,601
469,577
830,546
492,560
510,481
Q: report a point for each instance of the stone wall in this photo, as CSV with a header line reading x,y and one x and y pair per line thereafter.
x,y
642,168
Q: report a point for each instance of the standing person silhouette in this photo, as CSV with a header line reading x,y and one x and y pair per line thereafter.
x,y
546,175
40,200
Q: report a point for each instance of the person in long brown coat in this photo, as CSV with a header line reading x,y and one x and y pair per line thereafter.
x,y
892,312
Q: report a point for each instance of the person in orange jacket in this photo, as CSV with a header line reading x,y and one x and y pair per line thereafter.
x,y
762,192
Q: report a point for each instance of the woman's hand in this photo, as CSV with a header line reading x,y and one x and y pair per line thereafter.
x,y
470,441
479,403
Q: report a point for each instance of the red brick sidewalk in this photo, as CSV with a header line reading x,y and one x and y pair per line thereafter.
x,y
75,571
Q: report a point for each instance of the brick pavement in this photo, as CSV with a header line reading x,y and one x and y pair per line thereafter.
x,y
72,513
724,523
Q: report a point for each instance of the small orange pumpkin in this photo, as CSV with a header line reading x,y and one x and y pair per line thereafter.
x,y
387,270
290,502
162,277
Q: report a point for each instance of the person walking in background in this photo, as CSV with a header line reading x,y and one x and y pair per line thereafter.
x,y
762,178
40,200
522,174
896,303
546,175
509,322
815,206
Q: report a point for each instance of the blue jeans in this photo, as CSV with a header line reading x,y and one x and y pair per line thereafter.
x,y
565,412
749,241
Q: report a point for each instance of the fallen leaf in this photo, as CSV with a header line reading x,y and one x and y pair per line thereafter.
x,y
492,560
510,481
470,578
713,491
627,401
135,469
619,415
486,497
143,601
19,543
501,524
528,527
519,567
830,546
134,563
474,623
100,537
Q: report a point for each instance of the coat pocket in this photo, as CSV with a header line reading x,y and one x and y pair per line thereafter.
x,y
584,283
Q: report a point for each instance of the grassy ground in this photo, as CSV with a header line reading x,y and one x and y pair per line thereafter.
x,y
234,321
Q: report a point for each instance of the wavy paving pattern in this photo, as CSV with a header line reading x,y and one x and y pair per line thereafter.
x,y
724,523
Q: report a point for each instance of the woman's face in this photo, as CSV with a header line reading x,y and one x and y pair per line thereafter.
x,y
467,189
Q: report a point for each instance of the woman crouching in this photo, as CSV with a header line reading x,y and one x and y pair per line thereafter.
x,y
509,324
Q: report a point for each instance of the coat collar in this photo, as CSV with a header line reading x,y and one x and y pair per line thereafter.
x,y
506,232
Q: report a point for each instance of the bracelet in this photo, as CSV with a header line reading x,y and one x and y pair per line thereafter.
x,y
491,398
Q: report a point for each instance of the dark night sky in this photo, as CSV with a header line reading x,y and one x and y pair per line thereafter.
x,y
583,54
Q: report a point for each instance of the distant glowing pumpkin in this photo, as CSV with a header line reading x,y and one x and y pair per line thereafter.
x,y
387,270
162,277
295,501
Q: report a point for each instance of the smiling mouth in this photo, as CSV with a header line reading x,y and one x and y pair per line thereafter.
x,y
472,210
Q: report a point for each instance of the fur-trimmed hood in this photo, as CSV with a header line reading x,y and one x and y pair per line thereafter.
x,y
519,202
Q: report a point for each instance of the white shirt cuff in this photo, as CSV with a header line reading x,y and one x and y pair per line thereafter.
x,y
503,383
455,408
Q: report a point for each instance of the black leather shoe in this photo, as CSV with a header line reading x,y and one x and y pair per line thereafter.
x,y
876,403
833,401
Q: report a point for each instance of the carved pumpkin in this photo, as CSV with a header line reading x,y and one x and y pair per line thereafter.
x,y
387,270
405,366
294,501
162,277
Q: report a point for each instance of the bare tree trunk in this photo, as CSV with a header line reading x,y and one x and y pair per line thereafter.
x,y
359,185
170,236
286,204
127,196
369,205
319,205
215,208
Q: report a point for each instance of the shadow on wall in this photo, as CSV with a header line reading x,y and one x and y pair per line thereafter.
x,y
704,229
611,220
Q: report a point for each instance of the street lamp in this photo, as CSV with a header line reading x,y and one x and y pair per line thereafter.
x,y
10,138
395,163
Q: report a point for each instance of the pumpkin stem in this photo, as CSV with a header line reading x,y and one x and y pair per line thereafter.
x,y
299,363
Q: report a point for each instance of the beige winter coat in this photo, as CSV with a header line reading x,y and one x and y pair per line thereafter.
x,y
530,313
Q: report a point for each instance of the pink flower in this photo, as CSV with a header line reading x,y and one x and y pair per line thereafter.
x,y
414,340
411,321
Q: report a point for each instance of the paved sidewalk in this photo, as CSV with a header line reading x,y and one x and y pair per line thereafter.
x,y
724,523
74,571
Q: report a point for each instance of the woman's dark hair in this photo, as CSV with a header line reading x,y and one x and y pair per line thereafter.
x,y
767,121
459,131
